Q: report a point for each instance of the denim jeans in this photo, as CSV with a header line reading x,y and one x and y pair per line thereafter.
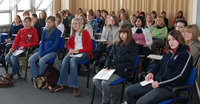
x,y
71,62
42,63
104,87
137,94
13,62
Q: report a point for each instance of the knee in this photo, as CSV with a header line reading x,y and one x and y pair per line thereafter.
x,y
73,61
104,83
95,81
13,58
30,60
42,62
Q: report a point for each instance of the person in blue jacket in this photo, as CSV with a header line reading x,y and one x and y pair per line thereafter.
x,y
172,71
48,47
14,28
91,21
37,26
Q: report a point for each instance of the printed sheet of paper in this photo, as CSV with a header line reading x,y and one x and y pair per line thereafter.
x,y
17,52
104,75
77,55
144,83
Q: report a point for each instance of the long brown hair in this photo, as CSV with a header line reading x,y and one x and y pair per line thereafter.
x,y
37,23
116,21
84,18
19,18
192,30
125,28
176,35
74,31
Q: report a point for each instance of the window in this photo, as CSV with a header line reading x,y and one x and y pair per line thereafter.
x,y
5,18
45,4
5,5
24,5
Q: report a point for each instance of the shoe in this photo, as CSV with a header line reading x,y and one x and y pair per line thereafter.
x,y
8,76
5,82
97,69
57,88
19,73
76,92
113,99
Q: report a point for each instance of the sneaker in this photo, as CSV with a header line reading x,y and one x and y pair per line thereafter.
x,y
113,99
76,92
57,88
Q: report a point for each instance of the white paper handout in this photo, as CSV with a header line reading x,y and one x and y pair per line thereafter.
x,y
17,52
144,83
104,75
158,57
77,55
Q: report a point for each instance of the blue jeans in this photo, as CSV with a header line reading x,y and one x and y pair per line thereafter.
x,y
12,61
72,62
137,94
42,63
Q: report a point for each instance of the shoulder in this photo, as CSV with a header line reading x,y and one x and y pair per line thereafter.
x,y
33,29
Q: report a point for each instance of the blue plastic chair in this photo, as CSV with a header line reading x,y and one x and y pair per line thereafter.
x,y
188,87
123,81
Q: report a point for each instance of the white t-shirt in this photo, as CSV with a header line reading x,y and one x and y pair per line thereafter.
x,y
78,42
61,27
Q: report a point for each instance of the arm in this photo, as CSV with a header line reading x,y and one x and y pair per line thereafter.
x,y
16,41
174,21
104,35
109,58
34,40
10,32
69,43
163,32
41,48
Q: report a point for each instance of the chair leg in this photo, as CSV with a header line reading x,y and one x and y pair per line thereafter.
x,y
6,66
122,93
88,75
93,93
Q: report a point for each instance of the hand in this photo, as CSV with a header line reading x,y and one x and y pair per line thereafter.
x,y
8,40
109,44
20,48
39,57
70,52
149,77
108,69
145,45
155,84
11,50
159,33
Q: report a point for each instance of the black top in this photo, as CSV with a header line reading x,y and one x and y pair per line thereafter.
x,y
139,31
121,57
43,22
166,22
66,25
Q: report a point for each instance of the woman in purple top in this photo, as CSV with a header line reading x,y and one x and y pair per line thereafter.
x,y
143,38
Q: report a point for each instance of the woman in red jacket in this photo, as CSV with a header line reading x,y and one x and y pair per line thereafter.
x,y
78,43
25,38
179,17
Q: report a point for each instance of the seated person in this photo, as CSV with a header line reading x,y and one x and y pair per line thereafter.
x,y
58,23
110,34
172,71
25,38
123,54
14,28
180,26
42,18
37,26
179,17
69,16
79,42
91,21
64,21
48,47
143,38
123,19
191,38
132,20
158,33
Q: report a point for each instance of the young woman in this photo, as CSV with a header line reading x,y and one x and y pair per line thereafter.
x,y
105,14
154,15
118,15
78,43
137,13
14,28
149,21
59,24
179,17
107,20
191,38
36,25
42,18
180,26
101,23
69,16
173,70
86,26
64,22
112,13
143,15
163,14
132,19
159,33
123,19
79,12
48,47
25,13
91,21
124,53
109,34
143,38
25,38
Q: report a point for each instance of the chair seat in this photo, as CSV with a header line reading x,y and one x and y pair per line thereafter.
x,y
84,61
117,81
169,101
49,62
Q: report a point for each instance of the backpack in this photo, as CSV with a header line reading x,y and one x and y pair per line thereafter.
x,y
52,75
139,71
40,82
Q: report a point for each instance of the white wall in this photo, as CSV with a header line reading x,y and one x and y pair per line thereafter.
x,y
192,11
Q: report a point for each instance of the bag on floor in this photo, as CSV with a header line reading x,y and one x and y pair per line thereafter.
x,y
40,82
52,74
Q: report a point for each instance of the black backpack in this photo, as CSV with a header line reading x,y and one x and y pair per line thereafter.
x,y
52,74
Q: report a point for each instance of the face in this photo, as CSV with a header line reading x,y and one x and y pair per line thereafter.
x,y
122,17
16,19
148,18
79,11
27,23
89,16
41,14
188,35
159,21
123,35
121,11
56,18
25,15
112,21
98,13
180,14
137,14
142,15
49,23
33,19
163,15
117,14
82,20
153,15
104,15
75,25
61,15
108,18
133,19
139,23
180,27
173,43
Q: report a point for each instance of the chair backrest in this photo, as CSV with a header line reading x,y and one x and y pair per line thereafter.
x,y
197,62
136,63
191,78
93,45
62,43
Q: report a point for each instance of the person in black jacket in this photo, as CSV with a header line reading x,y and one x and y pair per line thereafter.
x,y
37,26
42,18
172,71
123,54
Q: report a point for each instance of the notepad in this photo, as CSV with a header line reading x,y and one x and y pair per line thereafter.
x,y
77,55
104,74
157,57
17,52
144,83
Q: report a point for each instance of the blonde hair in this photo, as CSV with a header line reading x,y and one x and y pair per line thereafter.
x,y
84,18
192,30
151,18
107,22
162,24
74,31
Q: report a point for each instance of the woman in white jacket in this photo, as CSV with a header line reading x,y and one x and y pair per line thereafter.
x,y
86,26
143,38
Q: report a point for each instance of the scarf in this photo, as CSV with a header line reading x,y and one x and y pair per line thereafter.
x,y
50,30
